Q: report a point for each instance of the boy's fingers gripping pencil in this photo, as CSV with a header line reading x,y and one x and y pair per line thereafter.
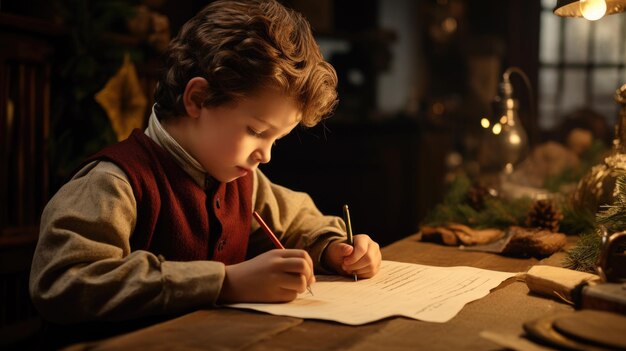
x,y
272,237
346,217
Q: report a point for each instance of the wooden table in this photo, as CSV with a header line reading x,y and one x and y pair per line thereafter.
x,y
504,310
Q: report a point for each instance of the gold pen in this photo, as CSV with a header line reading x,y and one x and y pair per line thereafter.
x,y
346,218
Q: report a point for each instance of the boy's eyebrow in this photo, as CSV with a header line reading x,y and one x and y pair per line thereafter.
x,y
266,122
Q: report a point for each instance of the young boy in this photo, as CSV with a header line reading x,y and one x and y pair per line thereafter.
x,y
161,223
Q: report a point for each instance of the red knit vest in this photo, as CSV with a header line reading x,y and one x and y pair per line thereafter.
x,y
172,209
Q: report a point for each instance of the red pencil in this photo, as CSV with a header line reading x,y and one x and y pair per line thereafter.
x,y
268,231
272,237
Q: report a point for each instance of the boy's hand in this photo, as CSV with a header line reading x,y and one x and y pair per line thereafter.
x,y
363,259
274,276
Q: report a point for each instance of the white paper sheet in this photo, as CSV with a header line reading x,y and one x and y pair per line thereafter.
x,y
432,294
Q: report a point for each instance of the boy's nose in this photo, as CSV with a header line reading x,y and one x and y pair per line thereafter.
x,y
264,155
267,155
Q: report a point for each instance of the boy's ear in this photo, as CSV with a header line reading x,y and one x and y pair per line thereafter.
x,y
194,95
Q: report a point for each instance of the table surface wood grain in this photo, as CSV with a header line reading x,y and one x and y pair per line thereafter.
x,y
505,309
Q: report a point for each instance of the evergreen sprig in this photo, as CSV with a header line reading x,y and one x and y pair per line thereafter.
x,y
613,217
584,256
576,221
501,213
497,213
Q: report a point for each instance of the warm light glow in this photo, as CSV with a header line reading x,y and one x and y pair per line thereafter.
x,y
485,123
593,9
503,120
497,128
449,24
508,169
515,139
510,121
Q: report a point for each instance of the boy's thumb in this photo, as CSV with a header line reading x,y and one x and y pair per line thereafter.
x,y
346,249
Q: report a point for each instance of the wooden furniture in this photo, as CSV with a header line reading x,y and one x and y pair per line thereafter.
x,y
30,65
25,71
504,310
24,118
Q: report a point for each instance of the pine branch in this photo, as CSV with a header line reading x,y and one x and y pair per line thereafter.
x,y
584,255
575,220
497,213
500,213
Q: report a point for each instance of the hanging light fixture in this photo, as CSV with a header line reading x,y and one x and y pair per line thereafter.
x,y
597,187
589,9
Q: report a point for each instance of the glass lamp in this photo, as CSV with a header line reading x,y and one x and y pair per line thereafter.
x,y
589,9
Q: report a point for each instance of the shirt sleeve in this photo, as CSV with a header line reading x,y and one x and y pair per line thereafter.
x,y
295,220
83,268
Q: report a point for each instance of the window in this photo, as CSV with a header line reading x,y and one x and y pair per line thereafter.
x,y
581,64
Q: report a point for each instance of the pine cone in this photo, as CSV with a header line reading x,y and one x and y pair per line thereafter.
x,y
476,196
544,214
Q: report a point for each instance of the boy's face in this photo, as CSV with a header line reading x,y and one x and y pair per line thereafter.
x,y
231,140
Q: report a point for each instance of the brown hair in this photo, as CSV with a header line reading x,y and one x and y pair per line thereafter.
x,y
242,47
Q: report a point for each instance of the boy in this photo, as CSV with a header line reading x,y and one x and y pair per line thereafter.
x,y
161,223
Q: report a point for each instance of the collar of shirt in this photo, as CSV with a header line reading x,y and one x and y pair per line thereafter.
x,y
190,165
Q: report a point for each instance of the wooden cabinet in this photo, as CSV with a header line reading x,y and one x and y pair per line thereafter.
x,y
25,71
24,125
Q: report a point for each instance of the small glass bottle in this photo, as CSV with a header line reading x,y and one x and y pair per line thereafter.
x,y
505,143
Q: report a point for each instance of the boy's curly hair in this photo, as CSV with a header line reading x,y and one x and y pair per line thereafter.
x,y
243,47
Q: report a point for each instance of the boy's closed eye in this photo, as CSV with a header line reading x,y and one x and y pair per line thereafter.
x,y
258,134
254,132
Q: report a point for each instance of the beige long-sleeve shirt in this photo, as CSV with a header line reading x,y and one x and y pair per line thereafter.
x,y
83,268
